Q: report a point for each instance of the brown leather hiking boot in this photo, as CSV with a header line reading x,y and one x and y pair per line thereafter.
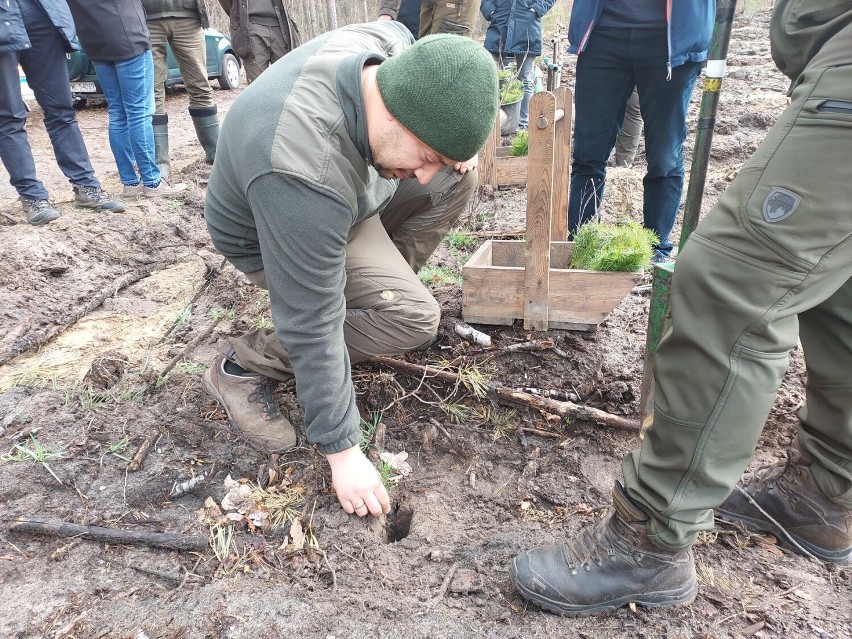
x,y
607,565
252,407
787,492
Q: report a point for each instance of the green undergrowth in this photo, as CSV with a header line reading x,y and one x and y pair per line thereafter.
x,y
600,246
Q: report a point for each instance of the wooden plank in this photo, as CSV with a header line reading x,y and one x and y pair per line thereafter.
x,y
493,292
512,171
562,165
539,210
504,151
488,155
480,257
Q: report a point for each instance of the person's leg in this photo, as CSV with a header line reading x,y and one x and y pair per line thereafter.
x,y
119,135
825,428
137,82
628,138
160,33
603,85
257,65
15,148
427,16
526,74
47,75
763,256
664,104
191,54
458,17
278,45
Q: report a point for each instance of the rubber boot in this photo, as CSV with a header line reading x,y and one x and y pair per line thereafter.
x,y
161,144
207,129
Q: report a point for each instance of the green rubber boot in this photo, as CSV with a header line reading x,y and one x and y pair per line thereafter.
x,y
207,129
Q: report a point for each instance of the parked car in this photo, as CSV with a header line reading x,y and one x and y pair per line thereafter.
x,y
222,65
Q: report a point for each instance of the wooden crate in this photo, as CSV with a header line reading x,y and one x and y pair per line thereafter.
x,y
494,291
508,280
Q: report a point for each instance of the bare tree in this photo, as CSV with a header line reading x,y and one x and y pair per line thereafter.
x,y
331,5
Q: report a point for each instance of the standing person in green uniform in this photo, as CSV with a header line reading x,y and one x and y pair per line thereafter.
x,y
457,17
770,265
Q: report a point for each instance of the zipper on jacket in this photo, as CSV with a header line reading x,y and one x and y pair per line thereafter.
x,y
835,106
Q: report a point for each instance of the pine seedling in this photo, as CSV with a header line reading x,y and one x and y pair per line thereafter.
x,y
612,247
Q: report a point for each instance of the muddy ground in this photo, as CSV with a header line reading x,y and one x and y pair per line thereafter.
x,y
487,479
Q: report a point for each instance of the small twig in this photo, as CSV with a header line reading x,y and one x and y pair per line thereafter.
x,y
136,463
532,345
553,394
188,485
328,565
209,276
443,430
190,347
540,433
470,333
444,585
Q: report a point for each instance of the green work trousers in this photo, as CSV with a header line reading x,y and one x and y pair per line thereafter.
x,y
440,16
771,264
388,308
186,38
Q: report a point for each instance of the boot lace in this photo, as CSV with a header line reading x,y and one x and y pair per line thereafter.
x,y
94,193
264,394
781,474
604,540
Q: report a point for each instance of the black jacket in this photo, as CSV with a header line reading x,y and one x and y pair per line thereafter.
x,y
239,14
111,30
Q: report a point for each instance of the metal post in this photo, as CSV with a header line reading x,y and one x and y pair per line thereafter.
x,y
658,314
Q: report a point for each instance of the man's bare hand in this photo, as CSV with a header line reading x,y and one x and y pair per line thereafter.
x,y
357,483
464,167
384,17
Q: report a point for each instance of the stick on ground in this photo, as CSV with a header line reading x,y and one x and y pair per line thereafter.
x,y
563,409
54,528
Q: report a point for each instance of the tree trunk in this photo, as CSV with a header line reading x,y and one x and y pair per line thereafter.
x,y
332,13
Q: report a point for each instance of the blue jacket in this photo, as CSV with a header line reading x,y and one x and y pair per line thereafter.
x,y
13,33
690,27
515,25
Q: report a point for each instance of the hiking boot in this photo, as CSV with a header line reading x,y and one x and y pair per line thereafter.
x,y
787,492
94,197
164,189
252,407
132,190
607,565
38,211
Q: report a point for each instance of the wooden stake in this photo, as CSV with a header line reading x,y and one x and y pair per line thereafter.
x,y
54,528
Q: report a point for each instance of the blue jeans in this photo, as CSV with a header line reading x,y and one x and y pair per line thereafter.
x,y
129,90
525,63
614,61
45,66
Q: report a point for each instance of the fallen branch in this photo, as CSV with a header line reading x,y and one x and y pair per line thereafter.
x,y
136,462
444,586
561,408
190,347
53,528
210,274
34,339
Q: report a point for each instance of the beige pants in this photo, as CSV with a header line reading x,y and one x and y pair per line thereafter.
x,y
388,309
186,38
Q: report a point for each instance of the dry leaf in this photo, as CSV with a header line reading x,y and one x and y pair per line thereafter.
x,y
397,462
297,535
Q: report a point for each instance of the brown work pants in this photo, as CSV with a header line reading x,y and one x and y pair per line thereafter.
x,y
440,16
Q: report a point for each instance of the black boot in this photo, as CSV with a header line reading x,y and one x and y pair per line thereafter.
x,y
789,495
207,129
161,144
607,565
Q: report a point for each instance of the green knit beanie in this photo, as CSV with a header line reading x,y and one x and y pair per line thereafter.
x,y
443,89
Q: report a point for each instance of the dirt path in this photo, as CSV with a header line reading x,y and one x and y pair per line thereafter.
x,y
482,486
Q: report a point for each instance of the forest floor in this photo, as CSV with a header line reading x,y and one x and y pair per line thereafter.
x,y
487,479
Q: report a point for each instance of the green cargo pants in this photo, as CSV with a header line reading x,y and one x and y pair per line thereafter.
x,y
187,40
268,45
771,264
388,309
440,16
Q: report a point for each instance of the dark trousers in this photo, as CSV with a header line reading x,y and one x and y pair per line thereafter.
x,y
45,66
614,61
